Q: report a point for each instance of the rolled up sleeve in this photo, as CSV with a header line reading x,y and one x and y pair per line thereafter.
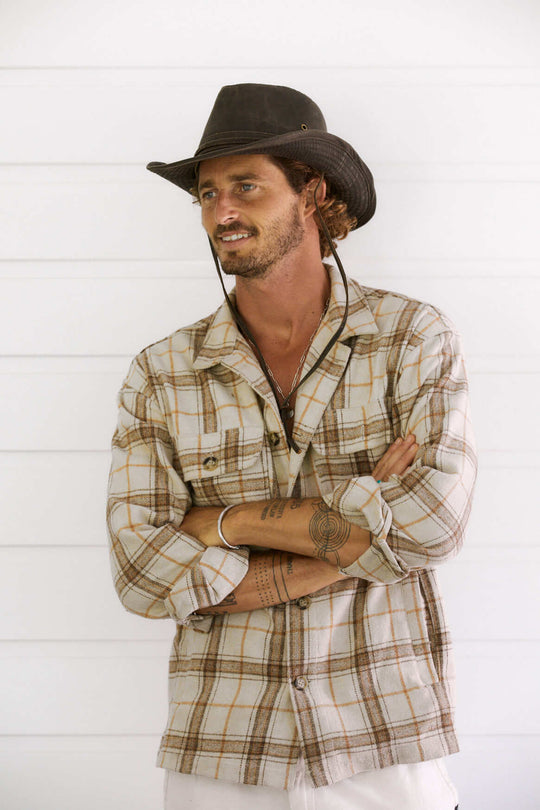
x,y
158,570
417,520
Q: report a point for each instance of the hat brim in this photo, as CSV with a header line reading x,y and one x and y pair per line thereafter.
x,y
342,166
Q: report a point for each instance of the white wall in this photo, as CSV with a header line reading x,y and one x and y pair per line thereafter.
x,y
98,258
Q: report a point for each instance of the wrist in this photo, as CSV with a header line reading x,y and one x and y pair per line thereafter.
x,y
234,527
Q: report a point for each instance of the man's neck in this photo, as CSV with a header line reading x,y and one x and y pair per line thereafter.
x,y
284,306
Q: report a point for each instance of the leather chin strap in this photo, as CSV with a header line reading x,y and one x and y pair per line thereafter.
x,y
285,410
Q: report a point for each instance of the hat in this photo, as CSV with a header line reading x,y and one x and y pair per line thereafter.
x,y
273,120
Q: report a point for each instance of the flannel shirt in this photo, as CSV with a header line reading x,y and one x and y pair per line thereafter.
x,y
356,676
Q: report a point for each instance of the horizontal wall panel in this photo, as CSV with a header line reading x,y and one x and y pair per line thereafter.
x,y
64,212
62,411
84,695
63,593
77,411
60,767
387,33
53,499
125,693
120,316
80,772
128,122
44,486
497,772
68,594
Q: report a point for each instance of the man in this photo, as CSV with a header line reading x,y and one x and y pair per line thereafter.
x,y
286,474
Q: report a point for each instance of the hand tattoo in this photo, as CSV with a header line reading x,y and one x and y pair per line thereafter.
x,y
329,532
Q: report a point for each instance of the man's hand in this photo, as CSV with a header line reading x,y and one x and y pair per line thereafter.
x,y
201,522
397,458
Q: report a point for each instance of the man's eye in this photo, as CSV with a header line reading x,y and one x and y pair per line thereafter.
x,y
208,195
247,186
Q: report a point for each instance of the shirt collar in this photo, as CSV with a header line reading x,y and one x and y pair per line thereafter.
x,y
223,336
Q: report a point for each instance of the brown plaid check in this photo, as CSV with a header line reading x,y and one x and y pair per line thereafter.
x,y
358,676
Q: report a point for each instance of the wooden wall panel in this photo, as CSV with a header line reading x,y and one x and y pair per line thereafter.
x,y
387,34
93,117
62,773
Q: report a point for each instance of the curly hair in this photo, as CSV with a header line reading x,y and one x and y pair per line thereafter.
x,y
334,211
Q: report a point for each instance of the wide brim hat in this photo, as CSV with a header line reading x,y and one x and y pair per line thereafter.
x,y
272,120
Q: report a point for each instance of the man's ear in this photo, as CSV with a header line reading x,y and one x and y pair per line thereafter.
x,y
317,186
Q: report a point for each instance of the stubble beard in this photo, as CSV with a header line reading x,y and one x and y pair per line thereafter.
x,y
281,237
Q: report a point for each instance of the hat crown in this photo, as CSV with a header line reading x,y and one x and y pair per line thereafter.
x,y
247,110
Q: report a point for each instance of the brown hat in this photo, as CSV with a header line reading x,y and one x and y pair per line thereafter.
x,y
273,120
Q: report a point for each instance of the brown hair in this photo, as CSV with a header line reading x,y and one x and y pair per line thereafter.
x,y
334,211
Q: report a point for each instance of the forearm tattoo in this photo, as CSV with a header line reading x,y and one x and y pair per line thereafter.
x,y
276,508
329,532
269,574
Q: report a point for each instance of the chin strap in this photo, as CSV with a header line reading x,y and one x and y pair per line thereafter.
x,y
285,410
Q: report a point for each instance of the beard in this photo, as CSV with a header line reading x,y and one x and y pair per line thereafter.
x,y
282,236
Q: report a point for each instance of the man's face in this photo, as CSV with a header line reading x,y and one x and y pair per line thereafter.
x,y
250,213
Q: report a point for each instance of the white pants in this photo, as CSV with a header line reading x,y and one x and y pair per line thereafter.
x,y
420,786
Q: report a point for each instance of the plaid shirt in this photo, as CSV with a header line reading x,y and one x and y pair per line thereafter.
x,y
357,676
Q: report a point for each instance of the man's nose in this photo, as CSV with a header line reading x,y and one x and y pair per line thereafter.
x,y
226,209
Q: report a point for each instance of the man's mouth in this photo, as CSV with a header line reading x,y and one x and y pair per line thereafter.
x,y
234,237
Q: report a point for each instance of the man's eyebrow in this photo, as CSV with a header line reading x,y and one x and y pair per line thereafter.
x,y
232,178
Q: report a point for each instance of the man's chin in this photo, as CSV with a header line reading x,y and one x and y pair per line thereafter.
x,y
242,269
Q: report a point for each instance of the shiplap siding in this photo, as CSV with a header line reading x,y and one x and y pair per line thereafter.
x,y
98,258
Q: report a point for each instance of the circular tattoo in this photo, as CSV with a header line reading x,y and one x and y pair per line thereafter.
x,y
328,530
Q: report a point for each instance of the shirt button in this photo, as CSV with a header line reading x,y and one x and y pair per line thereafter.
x,y
300,683
303,602
210,463
274,439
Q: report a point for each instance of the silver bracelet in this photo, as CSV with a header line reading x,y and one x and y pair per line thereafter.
x,y
219,529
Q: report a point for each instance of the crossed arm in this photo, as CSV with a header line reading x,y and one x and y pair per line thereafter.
x,y
305,542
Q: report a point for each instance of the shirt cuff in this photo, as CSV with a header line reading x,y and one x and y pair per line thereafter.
x,y
360,501
216,574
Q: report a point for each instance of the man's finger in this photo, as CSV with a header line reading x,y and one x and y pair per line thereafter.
x,y
397,458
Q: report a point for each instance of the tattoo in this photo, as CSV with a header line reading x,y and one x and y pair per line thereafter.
x,y
269,574
274,509
329,532
290,559
279,559
229,600
263,581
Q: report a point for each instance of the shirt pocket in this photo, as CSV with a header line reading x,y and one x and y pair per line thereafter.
x,y
350,441
224,467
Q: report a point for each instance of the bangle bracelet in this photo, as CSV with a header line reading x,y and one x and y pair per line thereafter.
x,y
220,530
